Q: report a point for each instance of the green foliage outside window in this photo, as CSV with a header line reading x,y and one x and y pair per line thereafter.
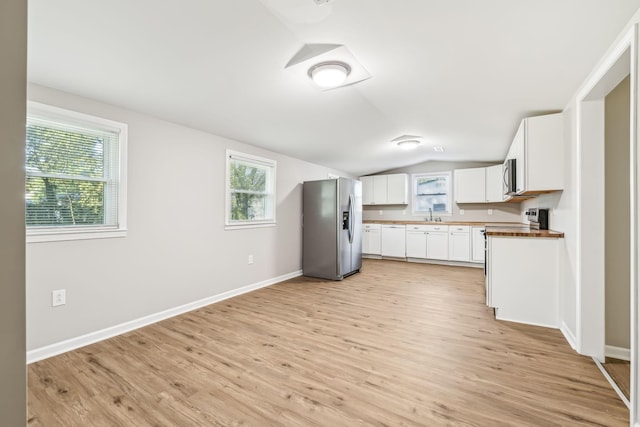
x,y
65,182
248,192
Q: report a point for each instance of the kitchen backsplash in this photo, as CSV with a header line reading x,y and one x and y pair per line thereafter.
x,y
500,212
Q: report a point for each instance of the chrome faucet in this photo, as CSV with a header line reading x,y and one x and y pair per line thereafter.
x,y
430,219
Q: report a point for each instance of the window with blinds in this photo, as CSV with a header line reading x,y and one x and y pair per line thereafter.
x,y
250,190
73,172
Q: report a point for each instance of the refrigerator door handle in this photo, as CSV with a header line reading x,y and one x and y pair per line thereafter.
x,y
351,205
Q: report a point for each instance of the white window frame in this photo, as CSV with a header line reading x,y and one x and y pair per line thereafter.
x,y
271,191
414,193
62,233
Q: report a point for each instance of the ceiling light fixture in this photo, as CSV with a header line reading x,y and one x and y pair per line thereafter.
x,y
329,74
408,144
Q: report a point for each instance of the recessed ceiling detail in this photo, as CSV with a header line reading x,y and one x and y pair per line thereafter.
x,y
331,57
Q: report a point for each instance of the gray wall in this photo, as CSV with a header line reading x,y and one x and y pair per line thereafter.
x,y
177,250
13,73
502,212
617,228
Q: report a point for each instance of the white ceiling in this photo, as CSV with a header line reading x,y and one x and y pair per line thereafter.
x,y
460,73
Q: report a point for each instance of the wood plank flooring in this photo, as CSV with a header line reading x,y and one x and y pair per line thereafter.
x,y
620,372
399,344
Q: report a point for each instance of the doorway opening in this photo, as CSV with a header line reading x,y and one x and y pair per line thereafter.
x,y
607,222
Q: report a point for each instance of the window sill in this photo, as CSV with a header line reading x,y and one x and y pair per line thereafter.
x,y
52,235
245,226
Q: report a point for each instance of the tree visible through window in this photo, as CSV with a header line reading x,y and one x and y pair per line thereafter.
x,y
72,172
432,193
250,193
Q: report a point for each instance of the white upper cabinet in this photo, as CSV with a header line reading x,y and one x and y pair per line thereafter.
x,y
379,190
478,185
469,185
385,189
367,190
493,184
537,148
397,189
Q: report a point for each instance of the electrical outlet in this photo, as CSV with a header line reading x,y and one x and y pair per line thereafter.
x,y
379,212
58,297
250,259
489,211
461,211
404,212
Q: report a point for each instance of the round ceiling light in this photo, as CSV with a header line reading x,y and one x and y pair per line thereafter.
x,y
408,144
329,74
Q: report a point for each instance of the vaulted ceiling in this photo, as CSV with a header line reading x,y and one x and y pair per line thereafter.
x,y
459,73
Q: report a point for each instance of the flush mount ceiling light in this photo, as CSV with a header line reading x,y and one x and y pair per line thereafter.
x,y
317,63
408,144
329,74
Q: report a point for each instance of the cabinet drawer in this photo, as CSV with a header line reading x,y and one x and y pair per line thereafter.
x,y
371,226
460,228
444,228
421,227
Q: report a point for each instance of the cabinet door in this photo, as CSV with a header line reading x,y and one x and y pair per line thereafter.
x,y
367,190
374,241
438,245
379,189
393,241
416,244
477,244
545,166
459,246
469,185
519,154
397,193
493,184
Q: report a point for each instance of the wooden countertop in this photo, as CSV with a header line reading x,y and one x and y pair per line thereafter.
x,y
523,231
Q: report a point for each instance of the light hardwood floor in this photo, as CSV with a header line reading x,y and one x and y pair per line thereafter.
x,y
620,372
396,345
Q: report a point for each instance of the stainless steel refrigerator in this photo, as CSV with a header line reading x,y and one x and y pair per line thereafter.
x,y
332,228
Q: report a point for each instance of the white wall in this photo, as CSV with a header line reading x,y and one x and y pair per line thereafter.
x,y
176,250
502,212
13,54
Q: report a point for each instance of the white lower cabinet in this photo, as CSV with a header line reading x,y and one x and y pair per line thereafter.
x,y
371,239
416,243
477,244
393,242
522,279
459,243
438,243
428,242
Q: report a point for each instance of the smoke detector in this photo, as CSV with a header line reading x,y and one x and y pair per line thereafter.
x,y
321,2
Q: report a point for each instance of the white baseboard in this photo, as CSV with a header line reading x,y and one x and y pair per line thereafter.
x,y
103,334
619,353
568,335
